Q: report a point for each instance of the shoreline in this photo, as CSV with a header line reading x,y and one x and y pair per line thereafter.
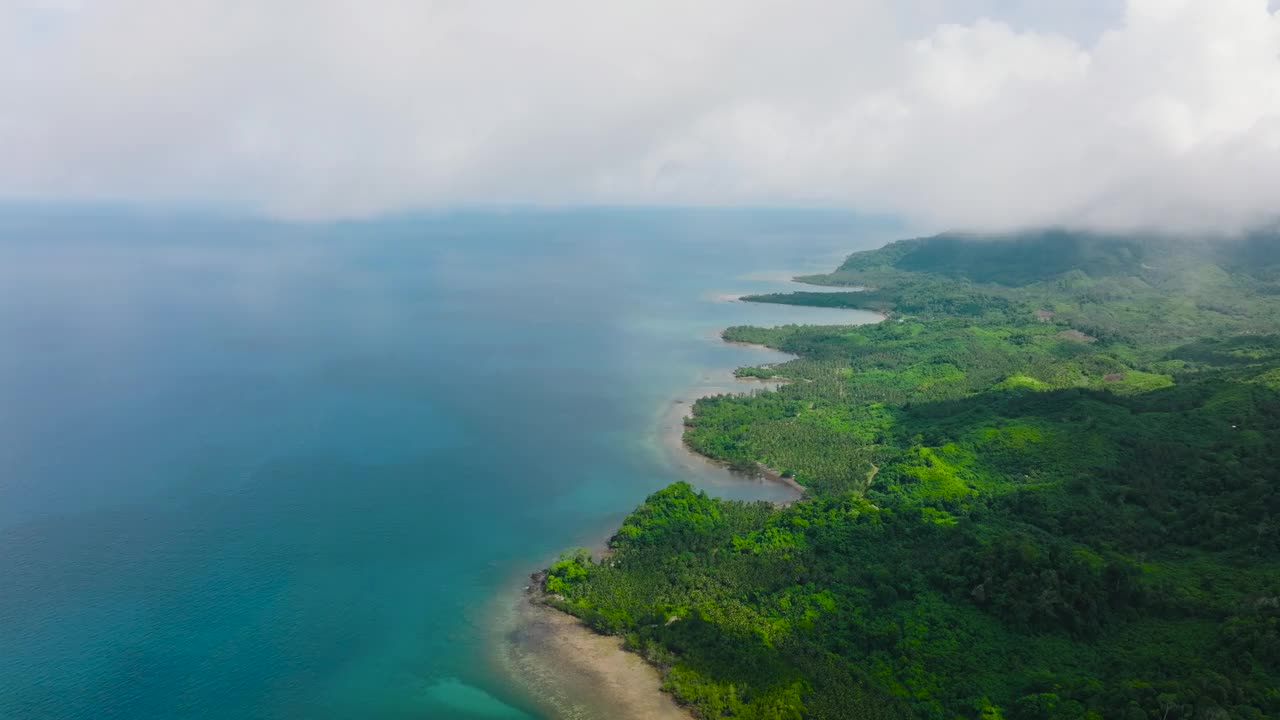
x,y
774,476
572,672
569,670
709,471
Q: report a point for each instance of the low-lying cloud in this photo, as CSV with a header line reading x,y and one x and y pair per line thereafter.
x,y
976,114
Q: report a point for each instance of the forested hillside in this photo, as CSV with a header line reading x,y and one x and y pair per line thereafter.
x,y
1044,488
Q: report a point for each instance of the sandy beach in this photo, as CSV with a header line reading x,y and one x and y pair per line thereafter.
x,y
574,673
704,471
715,476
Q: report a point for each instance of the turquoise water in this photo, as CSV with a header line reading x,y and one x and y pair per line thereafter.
x,y
262,470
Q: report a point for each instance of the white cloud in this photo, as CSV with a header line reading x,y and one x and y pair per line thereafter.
x,y
972,113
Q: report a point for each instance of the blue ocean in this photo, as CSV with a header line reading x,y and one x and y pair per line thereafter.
x,y
264,469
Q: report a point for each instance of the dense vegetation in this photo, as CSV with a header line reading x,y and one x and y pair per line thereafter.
x,y
1043,488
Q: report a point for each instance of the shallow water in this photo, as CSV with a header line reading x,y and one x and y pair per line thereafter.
x,y
260,470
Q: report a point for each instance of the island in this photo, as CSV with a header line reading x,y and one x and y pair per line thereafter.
x,y
1045,487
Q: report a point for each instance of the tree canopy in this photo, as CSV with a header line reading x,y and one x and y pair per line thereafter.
x,y
1044,487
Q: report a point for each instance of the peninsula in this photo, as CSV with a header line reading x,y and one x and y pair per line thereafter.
x,y
1044,488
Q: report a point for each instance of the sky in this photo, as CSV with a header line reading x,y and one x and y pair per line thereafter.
x,y
950,113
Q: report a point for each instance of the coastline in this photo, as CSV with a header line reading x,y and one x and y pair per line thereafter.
x,y
713,473
569,670
699,580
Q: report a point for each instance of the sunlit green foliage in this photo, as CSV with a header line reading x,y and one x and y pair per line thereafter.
x,y
1045,487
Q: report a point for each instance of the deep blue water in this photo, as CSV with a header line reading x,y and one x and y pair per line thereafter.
x,y
261,470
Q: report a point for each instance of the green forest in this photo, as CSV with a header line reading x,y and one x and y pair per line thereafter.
x,y
1043,488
